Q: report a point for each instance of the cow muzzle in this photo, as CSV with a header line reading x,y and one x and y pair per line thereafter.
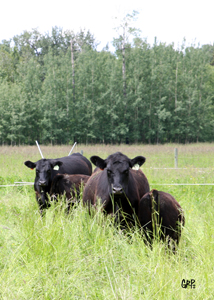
x,y
117,190
42,183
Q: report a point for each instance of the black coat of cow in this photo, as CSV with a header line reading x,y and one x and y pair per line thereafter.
x,y
46,169
119,187
68,185
160,214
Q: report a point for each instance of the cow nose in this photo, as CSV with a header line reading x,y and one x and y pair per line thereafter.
x,y
117,190
42,183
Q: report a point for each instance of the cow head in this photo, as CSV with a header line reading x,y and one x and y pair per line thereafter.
x,y
152,199
117,168
153,194
44,173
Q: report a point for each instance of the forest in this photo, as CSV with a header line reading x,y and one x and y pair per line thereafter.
x,y
58,88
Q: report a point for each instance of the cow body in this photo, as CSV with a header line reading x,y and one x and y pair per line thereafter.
x,y
118,186
68,185
160,211
46,169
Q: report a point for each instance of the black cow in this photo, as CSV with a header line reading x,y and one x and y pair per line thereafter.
x,y
119,187
46,169
68,185
161,215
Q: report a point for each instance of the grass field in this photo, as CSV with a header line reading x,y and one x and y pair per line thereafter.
x,y
80,257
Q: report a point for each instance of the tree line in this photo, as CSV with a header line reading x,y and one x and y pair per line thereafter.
x,y
58,88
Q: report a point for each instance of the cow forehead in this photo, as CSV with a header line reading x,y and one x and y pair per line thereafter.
x,y
118,161
43,165
118,156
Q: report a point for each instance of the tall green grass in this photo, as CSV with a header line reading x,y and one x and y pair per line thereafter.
x,y
77,256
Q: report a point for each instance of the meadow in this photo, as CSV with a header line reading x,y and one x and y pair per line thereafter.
x,y
77,256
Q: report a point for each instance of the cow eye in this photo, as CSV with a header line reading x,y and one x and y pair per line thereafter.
x,y
126,172
109,172
37,171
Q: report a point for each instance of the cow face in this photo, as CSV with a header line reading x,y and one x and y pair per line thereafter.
x,y
44,173
44,168
117,167
152,195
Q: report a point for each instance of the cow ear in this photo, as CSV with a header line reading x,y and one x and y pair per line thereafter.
x,y
147,197
56,168
99,162
30,164
154,192
140,160
56,164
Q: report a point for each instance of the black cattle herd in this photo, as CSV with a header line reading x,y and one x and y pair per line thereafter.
x,y
121,189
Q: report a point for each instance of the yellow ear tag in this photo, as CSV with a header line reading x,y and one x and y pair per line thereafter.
x,y
136,167
56,168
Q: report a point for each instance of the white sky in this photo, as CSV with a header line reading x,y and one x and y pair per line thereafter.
x,y
169,20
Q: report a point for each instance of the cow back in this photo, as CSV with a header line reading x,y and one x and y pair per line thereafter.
x,y
68,184
74,164
169,214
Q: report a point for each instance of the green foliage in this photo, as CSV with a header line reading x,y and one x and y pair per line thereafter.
x,y
139,94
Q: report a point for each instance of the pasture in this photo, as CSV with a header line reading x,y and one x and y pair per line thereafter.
x,y
80,257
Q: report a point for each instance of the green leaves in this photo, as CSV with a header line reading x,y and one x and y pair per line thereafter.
x,y
56,93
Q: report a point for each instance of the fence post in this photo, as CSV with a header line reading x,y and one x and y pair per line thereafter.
x,y
39,149
176,157
72,148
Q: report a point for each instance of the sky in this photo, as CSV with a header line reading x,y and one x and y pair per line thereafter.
x,y
168,20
